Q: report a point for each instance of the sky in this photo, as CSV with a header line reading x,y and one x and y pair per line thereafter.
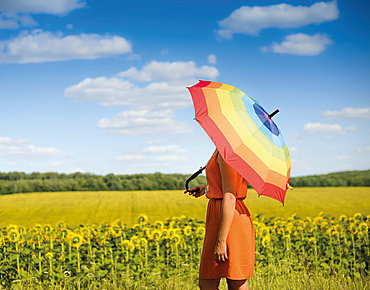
x,y
100,86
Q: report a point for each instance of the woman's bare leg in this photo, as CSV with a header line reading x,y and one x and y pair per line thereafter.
x,y
209,284
237,284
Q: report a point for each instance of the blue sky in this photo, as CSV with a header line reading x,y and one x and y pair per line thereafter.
x,y
100,86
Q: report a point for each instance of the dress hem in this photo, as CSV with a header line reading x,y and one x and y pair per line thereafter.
x,y
228,277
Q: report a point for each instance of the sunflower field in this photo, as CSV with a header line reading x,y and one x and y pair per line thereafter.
x,y
87,255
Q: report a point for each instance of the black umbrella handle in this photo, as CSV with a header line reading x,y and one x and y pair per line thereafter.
x,y
273,113
195,175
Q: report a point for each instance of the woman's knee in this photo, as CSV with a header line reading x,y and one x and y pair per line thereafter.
x,y
208,284
237,284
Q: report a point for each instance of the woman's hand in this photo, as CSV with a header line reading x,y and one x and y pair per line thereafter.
x,y
196,191
220,251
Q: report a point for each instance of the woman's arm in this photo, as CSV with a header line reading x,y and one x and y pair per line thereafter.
x,y
227,208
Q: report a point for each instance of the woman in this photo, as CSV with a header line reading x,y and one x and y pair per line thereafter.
x,y
228,249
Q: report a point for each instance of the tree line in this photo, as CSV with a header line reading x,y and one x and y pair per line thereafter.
x,y
19,182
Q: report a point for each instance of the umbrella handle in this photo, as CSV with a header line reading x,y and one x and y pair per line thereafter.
x,y
274,113
192,177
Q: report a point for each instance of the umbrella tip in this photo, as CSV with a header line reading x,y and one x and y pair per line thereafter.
x,y
274,113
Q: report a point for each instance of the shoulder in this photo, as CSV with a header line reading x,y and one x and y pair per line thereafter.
x,y
224,167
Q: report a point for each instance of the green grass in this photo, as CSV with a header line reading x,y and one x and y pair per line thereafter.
x,y
278,277
105,206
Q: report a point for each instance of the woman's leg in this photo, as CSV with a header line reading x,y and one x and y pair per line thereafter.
x,y
209,284
237,284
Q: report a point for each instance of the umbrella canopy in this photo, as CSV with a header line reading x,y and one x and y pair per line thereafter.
x,y
246,137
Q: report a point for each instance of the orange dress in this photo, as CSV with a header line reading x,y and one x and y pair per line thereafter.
x,y
240,240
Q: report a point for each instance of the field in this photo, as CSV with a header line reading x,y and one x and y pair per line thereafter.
x,y
153,240
88,207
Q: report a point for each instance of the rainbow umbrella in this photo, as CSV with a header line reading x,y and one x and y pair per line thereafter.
x,y
246,137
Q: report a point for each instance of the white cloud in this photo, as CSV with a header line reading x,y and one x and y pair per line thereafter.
x,y
164,149
14,14
348,113
10,148
300,44
144,122
315,128
253,19
13,21
42,46
165,88
170,158
130,157
212,59
10,141
177,71
55,7
120,92
152,95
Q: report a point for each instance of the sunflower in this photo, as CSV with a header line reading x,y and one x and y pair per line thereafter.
x,y
63,234
165,233
38,227
307,220
37,237
172,232
131,247
13,236
49,255
156,236
143,242
76,240
125,244
61,224
175,239
47,228
134,240
148,233
187,231
265,231
115,230
11,227
118,223
353,228
363,228
143,218
358,216
286,237
136,227
158,225
343,218
266,241
335,234
101,238
318,220
22,230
